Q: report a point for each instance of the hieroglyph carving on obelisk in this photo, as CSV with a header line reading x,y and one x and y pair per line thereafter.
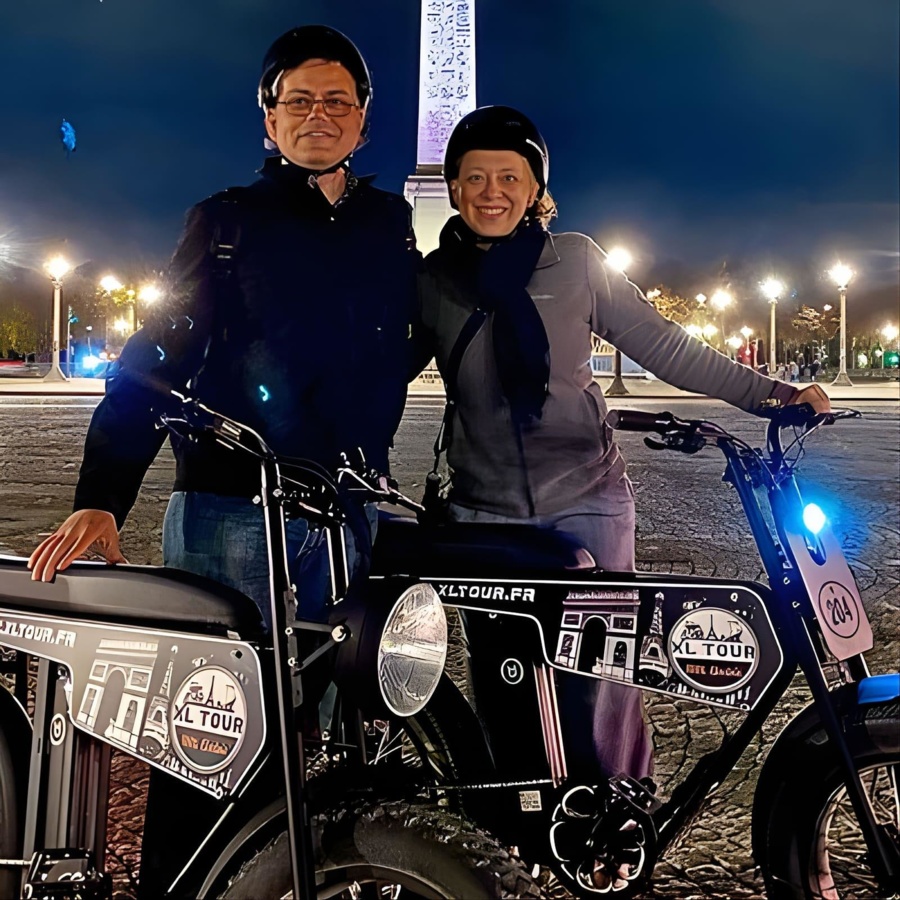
x,y
446,74
446,94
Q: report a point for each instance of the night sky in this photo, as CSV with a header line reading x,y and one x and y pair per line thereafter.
x,y
758,133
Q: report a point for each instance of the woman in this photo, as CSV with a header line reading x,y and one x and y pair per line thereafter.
x,y
528,442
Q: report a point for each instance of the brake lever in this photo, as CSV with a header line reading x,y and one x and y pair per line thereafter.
x,y
677,440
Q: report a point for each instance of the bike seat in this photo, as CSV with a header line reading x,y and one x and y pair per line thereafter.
x,y
403,546
131,595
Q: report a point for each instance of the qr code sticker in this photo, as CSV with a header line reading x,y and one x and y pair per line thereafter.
x,y
530,801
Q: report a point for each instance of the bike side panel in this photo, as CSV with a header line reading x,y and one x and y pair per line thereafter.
x,y
709,640
189,705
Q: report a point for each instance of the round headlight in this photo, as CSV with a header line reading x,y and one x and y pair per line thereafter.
x,y
412,650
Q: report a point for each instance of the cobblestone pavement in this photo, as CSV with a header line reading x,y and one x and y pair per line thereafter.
x,y
688,522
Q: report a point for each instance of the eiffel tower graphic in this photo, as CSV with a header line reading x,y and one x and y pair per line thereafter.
x,y
653,655
154,741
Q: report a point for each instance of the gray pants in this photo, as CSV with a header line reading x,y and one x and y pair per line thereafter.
x,y
619,739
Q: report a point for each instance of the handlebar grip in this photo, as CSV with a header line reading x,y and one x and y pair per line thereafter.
x,y
632,420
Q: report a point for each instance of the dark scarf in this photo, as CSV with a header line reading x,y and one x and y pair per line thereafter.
x,y
498,278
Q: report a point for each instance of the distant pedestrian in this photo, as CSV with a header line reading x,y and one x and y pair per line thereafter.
x,y
795,372
814,367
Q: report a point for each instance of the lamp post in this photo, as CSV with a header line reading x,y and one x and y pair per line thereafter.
x,y
148,294
721,300
772,289
735,343
618,259
110,284
841,275
56,268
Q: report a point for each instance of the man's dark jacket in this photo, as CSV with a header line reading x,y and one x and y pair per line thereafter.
x,y
302,336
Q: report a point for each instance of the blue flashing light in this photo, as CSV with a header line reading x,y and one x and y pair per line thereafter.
x,y
90,361
813,518
161,352
264,393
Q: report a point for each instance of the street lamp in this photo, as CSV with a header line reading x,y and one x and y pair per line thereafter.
x,y
148,294
619,259
721,300
772,289
891,332
841,275
56,268
110,284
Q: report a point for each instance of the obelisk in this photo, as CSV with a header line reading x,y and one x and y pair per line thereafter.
x,y
446,94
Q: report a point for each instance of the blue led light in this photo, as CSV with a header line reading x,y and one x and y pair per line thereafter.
x,y
264,392
813,518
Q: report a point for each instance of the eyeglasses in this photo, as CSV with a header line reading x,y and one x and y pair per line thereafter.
x,y
303,106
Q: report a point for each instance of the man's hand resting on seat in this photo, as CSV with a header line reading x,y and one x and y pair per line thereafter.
x,y
87,529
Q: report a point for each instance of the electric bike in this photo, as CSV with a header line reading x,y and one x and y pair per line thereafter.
x,y
180,673
826,807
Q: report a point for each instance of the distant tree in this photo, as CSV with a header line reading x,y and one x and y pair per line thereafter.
x,y
813,330
810,324
18,330
673,306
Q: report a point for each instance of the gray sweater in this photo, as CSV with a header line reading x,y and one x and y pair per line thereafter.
x,y
567,460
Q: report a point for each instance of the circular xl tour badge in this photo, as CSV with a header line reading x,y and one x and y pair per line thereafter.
x,y
714,650
208,719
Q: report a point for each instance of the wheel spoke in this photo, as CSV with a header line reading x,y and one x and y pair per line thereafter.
x,y
839,866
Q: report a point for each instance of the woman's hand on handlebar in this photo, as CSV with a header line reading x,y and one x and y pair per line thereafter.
x,y
815,396
87,529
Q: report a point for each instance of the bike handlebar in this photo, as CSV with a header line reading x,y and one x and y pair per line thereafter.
x,y
632,420
376,486
690,435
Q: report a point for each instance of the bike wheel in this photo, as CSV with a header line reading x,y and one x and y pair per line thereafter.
x,y
392,850
814,846
9,831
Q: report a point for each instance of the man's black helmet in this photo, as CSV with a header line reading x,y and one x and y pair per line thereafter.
x,y
497,128
298,45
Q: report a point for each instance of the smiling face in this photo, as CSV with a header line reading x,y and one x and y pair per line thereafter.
x,y
317,140
493,190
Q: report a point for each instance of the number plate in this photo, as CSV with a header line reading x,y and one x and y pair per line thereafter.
x,y
833,592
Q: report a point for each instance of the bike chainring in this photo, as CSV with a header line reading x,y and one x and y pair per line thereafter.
x,y
604,838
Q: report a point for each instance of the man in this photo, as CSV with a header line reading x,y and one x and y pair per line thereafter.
x,y
287,309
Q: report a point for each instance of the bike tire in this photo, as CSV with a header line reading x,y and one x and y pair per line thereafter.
x,y
810,845
430,852
9,819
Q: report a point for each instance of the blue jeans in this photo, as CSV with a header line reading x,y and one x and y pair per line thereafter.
x,y
224,538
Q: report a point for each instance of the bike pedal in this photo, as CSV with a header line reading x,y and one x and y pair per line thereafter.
x,y
66,874
640,794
